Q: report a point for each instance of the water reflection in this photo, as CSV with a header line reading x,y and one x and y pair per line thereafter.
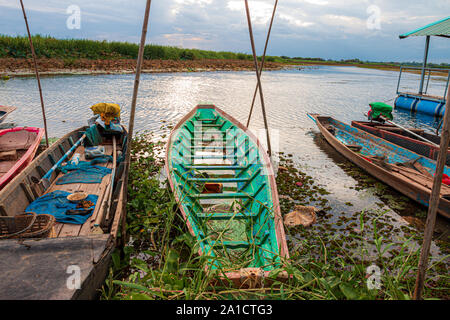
x,y
341,92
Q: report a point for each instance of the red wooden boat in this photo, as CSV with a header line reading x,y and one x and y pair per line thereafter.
x,y
404,139
17,149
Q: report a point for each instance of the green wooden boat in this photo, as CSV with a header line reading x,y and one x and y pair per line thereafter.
x,y
225,186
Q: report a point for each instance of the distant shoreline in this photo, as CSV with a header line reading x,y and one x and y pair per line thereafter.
x,y
13,67
23,67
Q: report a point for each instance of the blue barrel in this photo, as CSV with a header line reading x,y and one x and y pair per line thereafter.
x,y
420,105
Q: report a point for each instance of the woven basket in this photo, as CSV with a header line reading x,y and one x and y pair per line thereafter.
x,y
28,225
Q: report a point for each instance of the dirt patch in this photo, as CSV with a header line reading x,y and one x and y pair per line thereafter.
x,y
24,67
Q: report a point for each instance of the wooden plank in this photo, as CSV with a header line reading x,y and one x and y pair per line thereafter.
x,y
72,230
8,155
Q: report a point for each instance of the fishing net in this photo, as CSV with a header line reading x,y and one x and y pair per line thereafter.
x,y
56,204
84,164
84,171
93,174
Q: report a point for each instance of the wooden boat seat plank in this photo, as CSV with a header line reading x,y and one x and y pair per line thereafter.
x,y
223,180
17,140
5,166
225,215
225,195
217,167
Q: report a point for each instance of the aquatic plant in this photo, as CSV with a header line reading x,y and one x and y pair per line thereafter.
x,y
160,260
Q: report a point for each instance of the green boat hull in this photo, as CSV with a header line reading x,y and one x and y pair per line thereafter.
x,y
225,187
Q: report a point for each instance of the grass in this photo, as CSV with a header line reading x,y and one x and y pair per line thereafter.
x,y
70,49
160,260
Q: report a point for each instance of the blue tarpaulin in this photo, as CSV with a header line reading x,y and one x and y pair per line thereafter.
x,y
56,204
84,171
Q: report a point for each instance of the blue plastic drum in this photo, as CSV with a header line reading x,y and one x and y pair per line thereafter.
x,y
420,105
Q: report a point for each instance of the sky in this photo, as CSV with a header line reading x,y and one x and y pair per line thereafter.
x,y
329,29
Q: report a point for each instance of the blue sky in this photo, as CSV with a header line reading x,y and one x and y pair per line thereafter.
x,y
336,29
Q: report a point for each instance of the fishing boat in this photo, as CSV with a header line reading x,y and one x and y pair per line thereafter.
x,y
5,111
86,201
224,183
402,169
18,147
404,139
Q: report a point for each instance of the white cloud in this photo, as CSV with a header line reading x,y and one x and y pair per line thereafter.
x,y
295,21
317,2
180,4
327,28
260,11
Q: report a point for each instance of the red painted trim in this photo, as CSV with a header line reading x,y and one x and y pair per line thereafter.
x,y
23,162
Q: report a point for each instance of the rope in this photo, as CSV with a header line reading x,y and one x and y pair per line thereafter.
x,y
255,59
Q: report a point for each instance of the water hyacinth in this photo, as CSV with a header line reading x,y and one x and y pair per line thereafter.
x,y
160,260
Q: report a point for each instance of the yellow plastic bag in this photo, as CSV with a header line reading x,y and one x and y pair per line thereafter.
x,y
107,111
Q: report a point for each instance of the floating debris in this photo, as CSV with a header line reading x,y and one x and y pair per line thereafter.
x,y
302,215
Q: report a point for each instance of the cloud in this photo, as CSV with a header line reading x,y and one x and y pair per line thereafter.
x,y
319,28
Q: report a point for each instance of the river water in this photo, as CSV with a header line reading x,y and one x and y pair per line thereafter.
x,y
342,92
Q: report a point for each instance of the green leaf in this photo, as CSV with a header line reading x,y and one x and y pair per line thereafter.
x,y
348,291
139,296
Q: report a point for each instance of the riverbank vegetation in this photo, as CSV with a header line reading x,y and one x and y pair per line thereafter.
x,y
72,49
355,258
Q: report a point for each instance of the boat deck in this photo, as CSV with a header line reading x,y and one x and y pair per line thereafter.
x,y
429,96
13,146
73,230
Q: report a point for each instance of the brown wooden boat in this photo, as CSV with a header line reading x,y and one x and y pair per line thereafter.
x,y
404,139
402,169
73,262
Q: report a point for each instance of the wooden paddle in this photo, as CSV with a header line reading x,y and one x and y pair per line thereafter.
x,y
106,202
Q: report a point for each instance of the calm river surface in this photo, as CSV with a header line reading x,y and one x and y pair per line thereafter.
x,y
342,92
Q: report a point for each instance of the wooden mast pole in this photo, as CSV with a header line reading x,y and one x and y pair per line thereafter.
x,y
433,203
36,72
262,61
133,102
255,59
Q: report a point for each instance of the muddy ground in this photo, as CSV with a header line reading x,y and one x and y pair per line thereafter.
x,y
24,67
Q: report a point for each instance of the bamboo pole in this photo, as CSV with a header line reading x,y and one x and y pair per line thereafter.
x,y
133,103
410,132
262,61
36,72
433,203
255,59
